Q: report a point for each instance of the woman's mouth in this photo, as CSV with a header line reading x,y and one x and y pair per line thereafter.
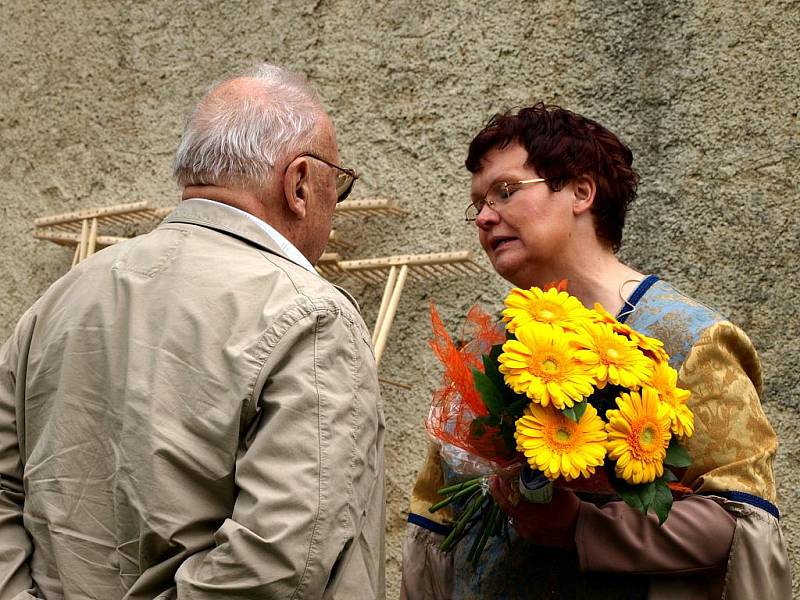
x,y
500,243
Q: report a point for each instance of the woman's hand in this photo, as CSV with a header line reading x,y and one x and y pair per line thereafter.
x,y
551,524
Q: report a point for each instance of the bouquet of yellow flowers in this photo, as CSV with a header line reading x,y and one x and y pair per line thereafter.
x,y
583,400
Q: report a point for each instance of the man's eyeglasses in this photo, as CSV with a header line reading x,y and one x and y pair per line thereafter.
x,y
345,178
498,195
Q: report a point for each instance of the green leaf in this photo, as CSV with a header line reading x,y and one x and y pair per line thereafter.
x,y
640,497
662,503
477,429
575,412
480,425
647,494
669,476
490,395
507,434
514,410
677,456
633,498
487,421
491,367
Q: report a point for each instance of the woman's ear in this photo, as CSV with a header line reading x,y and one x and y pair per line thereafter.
x,y
297,187
584,192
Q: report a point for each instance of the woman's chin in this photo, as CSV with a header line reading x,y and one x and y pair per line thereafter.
x,y
516,272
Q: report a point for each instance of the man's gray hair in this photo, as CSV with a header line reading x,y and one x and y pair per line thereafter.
x,y
235,139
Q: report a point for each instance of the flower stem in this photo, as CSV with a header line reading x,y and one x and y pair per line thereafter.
x,y
475,501
457,487
462,491
489,520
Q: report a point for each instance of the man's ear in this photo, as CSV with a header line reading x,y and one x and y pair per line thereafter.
x,y
584,192
297,187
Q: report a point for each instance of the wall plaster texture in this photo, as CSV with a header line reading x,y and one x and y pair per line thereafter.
x,y
93,96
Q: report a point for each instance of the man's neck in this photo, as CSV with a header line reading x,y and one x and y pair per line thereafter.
x,y
243,200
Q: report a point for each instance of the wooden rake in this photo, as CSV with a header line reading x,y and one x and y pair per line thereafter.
x,y
81,227
81,230
395,270
368,207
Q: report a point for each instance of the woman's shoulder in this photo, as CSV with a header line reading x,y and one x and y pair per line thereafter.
x,y
678,320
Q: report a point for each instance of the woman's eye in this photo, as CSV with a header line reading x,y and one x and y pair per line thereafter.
x,y
507,190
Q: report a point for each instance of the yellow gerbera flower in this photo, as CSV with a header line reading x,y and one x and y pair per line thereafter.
x,y
665,382
551,308
540,364
638,436
601,315
558,446
612,357
652,346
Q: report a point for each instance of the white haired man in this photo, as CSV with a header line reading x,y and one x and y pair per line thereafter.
x,y
195,413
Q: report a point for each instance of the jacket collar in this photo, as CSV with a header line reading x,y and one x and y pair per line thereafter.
x,y
207,214
219,218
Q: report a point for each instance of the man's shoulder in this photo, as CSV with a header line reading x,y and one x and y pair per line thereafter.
x,y
316,291
204,271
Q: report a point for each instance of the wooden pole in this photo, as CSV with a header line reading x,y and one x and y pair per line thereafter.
x,y
387,292
391,309
92,238
84,239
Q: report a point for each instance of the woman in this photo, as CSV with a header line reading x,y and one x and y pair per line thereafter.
x,y
550,191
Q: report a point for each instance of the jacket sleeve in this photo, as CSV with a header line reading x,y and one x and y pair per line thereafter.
x,y
15,544
308,518
732,451
695,538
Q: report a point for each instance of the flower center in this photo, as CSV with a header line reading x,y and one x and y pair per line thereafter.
x,y
549,366
647,436
645,441
546,314
613,354
561,437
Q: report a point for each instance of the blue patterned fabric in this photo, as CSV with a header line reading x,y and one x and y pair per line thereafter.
x,y
665,313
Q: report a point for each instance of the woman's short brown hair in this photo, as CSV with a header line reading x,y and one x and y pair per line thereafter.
x,y
563,145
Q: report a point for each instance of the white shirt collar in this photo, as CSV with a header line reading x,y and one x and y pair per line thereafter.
x,y
289,249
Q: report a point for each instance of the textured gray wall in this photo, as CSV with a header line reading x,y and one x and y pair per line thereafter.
x,y
93,96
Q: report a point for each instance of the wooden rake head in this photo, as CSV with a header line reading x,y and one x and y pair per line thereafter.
x,y
393,271
132,213
356,209
419,266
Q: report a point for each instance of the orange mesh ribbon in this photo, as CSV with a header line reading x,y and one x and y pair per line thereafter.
x,y
456,405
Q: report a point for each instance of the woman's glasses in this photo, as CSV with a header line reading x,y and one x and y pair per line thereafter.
x,y
498,195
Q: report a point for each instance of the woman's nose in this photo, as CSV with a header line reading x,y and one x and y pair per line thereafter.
x,y
487,217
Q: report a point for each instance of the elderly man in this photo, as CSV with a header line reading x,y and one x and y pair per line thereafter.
x,y
195,413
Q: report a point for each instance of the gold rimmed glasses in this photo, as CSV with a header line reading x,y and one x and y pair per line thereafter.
x,y
498,195
345,178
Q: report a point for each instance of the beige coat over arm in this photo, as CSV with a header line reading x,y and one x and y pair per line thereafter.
x,y
191,415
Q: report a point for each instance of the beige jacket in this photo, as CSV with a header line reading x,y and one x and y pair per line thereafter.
x,y
191,415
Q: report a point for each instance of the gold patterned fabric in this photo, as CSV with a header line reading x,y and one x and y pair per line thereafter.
x,y
424,495
734,446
